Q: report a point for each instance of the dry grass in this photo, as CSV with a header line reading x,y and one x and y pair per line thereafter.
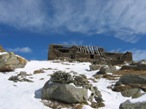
x,y
137,72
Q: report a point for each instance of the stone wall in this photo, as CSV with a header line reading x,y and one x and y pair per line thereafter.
x,y
87,53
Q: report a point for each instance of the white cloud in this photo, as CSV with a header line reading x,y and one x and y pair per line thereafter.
x,y
138,54
21,50
121,18
22,14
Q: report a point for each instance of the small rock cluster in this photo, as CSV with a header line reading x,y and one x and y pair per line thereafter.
x,y
21,77
71,89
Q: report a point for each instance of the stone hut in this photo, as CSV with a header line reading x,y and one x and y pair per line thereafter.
x,y
87,53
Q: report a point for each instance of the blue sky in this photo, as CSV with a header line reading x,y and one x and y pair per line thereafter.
x,y
27,27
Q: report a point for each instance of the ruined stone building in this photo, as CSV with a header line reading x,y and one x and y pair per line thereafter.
x,y
87,53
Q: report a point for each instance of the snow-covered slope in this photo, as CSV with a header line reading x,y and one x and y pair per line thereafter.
x,y
26,95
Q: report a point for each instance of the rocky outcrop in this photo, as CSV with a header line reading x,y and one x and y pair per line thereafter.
x,y
70,88
9,61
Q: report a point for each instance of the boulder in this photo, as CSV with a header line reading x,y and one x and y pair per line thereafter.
x,y
95,67
129,105
134,93
133,79
71,88
64,92
107,69
9,61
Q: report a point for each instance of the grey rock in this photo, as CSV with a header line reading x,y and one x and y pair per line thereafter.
x,y
64,92
133,79
107,69
128,105
95,67
134,93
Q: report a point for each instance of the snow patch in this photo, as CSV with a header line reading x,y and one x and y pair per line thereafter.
x,y
2,53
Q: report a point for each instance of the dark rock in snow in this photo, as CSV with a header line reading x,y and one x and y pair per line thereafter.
x,y
21,77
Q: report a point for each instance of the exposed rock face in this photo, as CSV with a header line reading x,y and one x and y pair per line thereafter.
x,y
128,105
70,88
10,61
